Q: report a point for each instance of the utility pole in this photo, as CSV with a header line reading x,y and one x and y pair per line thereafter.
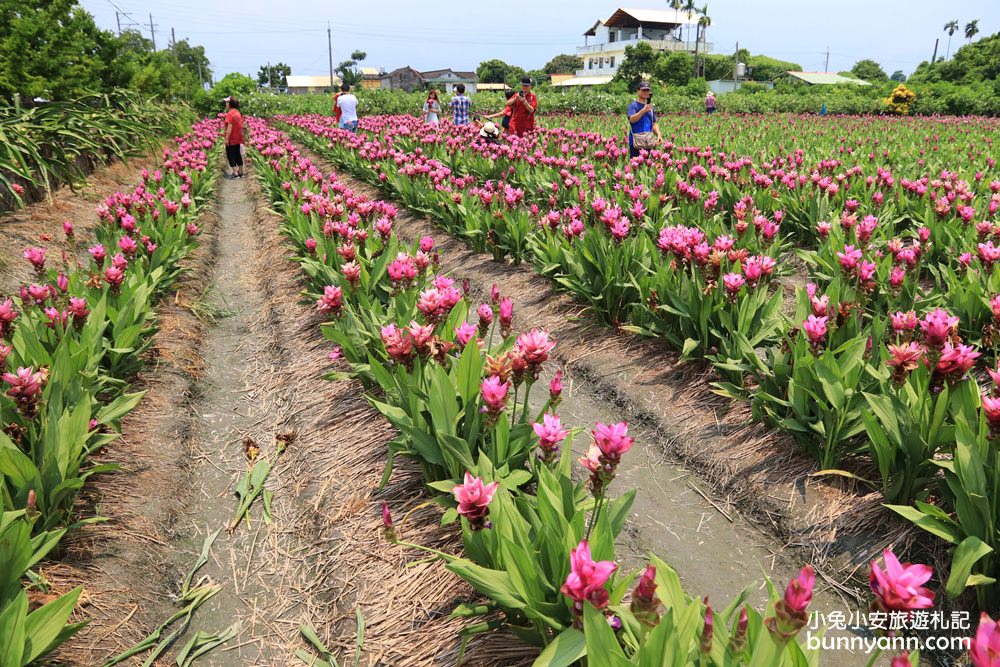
x,y
736,63
118,20
270,75
173,41
201,79
826,68
152,31
934,57
329,50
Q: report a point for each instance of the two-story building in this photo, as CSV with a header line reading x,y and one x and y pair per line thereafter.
x,y
603,49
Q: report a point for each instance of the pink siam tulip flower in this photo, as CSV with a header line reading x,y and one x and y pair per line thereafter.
x,y
36,257
39,294
473,499
25,388
311,245
645,604
7,316
550,433
351,272
556,388
494,393
901,660
897,276
128,245
68,229
485,318
823,229
900,587
119,261
815,328
535,346
991,409
790,612
495,294
586,579
849,258
426,244
904,322
421,335
903,359
387,527
336,354
506,316
604,456
331,301
465,332
733,283
398,344
78,309
98,253
955,361
985,648
938,326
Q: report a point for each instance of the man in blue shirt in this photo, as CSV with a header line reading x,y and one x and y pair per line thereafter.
x,y
642,118
460,105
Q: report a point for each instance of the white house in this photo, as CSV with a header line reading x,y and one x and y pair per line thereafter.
x,y
604,43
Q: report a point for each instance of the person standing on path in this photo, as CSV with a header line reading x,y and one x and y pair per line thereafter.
x,y
522,109
336,109
644,133
432,108
233,132
461,106
710,102
348,105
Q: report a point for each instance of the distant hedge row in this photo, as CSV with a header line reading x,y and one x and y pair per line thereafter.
x,y
937,98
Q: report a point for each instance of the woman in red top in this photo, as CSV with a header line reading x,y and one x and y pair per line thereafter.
x,y
523,107
233,133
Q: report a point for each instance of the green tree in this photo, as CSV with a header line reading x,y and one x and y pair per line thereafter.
x,y
539,77
640,61
160,76
971,29
492,71
514,76
898,76
235,84
675,69
703,23
764,68
51,49
951,27
564,63
869,70
194,60
274,76
348,69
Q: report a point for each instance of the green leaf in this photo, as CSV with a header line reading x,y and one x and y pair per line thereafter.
x,y
46,623
569,646
12,619
966,555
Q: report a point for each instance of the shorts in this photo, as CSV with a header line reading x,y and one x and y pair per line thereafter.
x,y
235,155
350,126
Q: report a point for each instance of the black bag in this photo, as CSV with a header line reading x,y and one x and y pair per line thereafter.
x,y
505,122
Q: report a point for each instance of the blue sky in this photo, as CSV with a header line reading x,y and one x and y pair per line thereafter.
x,y
242,35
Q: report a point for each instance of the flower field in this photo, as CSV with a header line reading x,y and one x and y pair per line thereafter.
x,y
72,340
836,275
873,366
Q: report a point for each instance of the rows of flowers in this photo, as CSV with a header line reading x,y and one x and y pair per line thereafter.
x,y
871,366
70,341
455,378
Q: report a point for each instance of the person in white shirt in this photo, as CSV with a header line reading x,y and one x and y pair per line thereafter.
x,y
348,105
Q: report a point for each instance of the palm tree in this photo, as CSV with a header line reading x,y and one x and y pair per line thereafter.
x,y
690,10
971,29
676,5
951,27
703,24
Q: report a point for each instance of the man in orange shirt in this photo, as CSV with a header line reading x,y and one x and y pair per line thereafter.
x,y
523,107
